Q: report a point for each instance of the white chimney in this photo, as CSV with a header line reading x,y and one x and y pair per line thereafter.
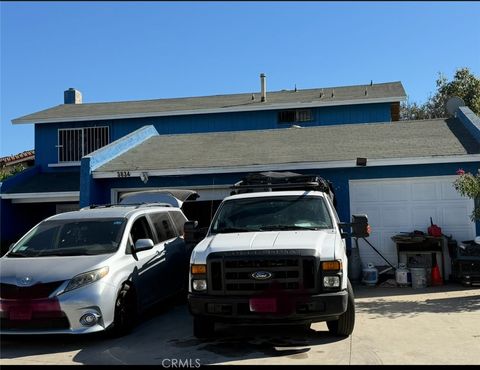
x,y
72,96
263,84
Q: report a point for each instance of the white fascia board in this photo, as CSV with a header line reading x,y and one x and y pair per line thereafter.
x,y
61,196
212,110
294,166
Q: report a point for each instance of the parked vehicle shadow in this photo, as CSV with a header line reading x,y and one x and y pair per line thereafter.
x,y
362,291
391,308
165,334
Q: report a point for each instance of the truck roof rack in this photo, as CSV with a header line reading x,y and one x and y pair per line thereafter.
x,y
278,181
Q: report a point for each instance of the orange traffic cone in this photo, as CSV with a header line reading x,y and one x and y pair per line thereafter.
x,y
436,277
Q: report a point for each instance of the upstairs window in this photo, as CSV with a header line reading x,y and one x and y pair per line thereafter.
x,y
297,115
74,143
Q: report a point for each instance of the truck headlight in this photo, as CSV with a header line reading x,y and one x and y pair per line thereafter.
x,y
86,278
199,285
331,281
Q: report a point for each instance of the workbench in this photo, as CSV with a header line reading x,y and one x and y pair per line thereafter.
x,y
419,251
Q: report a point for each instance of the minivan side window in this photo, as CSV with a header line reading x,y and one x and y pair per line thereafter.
x,y
179,220
163,226
141,230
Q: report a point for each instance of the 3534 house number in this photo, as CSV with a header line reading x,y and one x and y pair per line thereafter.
x,y
123,174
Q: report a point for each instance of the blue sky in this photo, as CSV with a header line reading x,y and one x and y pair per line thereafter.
x,y
114,51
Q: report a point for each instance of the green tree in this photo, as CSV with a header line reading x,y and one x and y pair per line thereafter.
x,y
5,173
468,185
464,85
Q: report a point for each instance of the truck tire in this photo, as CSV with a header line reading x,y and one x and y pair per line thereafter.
x,y
203,327
343,327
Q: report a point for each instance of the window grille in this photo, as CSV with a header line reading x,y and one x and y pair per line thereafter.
x,y
74,143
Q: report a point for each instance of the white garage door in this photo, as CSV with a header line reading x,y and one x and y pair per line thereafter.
x,y
406,204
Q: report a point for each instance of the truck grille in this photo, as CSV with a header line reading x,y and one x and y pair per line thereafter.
x,y
233,274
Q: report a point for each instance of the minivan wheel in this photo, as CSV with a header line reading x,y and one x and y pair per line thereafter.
x,y
343,327
203,327
125,312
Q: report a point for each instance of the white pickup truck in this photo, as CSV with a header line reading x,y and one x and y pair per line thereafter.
x,y
274,253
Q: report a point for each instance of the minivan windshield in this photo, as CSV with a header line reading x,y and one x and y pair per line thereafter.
x,y
71,238
272,213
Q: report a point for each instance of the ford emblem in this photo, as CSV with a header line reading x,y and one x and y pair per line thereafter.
x,y
261,275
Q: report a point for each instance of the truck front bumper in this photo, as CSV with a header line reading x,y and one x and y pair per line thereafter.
x,y
310,308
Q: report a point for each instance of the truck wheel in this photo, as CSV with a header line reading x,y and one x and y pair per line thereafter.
x,y
125,312
344,325
203,327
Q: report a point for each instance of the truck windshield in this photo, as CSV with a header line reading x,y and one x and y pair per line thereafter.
x,y
71,238
272,213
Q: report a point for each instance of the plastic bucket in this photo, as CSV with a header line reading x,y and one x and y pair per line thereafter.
x,y
401,275
419,277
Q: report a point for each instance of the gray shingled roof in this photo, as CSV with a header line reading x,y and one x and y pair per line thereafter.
x,y
403,139
392,91
48,182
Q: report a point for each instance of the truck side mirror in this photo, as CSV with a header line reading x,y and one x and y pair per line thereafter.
x,y
190,226
360,226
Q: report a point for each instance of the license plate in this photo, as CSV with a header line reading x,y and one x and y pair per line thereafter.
x,y
20,313
263,305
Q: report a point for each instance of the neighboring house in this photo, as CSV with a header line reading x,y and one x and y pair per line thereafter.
x,y
24,159
399,173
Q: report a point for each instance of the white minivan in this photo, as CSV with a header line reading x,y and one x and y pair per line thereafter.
x,y
94,269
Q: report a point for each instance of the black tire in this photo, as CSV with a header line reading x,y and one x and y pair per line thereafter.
x,y
125,317
343,327
203,327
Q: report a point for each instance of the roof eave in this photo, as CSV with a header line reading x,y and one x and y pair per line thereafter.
x,y
290,166
23,120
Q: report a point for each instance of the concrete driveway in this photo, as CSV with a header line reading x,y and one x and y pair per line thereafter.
x,y
436,325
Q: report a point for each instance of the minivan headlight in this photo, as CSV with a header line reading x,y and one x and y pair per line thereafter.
x,y
86,278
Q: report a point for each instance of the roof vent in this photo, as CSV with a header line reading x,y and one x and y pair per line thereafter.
x,y
263,85
72,96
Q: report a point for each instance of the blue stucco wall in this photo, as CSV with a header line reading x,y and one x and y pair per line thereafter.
x,y
10,217
339,178
46,135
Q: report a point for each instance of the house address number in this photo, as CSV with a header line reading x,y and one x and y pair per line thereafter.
x,y
123,174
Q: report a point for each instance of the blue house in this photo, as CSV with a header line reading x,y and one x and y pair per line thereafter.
x,y
399,173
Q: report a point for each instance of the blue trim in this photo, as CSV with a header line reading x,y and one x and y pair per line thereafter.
x,y
88,191
470,120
